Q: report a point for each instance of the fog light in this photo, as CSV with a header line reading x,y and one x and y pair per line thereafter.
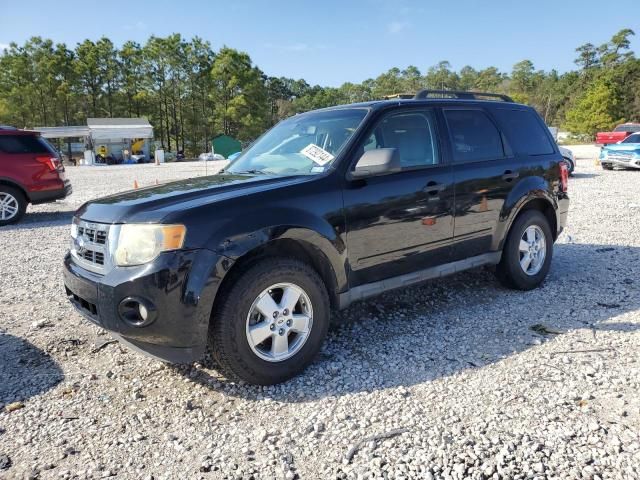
x,y
143,312
137,312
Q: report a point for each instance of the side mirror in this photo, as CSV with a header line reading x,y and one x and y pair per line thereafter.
x,y
381,161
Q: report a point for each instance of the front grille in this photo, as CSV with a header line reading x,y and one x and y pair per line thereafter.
x,y
93,235
620,157
89,245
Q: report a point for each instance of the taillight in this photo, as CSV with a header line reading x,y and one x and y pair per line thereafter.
x,y
53,163
564,177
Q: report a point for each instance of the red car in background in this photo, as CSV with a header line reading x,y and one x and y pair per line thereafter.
x,y
619,133
30,172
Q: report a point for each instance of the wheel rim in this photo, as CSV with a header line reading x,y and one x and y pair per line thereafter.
x,y
8,206
533,250
279,322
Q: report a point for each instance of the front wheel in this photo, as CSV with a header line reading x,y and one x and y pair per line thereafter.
x,y
270,323
606,166
526,257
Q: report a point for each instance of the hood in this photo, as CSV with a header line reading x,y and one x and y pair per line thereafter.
x,y
152,204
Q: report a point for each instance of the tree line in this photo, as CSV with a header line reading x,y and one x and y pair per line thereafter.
x,y
190,93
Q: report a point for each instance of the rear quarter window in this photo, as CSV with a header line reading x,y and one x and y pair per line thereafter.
x,y
524,130
17,144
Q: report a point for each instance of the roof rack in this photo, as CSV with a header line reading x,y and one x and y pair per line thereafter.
x,y
401,96
422,94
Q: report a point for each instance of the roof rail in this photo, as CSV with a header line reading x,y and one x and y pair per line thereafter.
x,y
422,94
400,96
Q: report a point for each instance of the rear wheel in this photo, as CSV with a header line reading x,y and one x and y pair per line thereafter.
x,y
12,205
526,256
271,322
606,166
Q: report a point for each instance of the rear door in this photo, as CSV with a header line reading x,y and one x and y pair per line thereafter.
x,y
484,172
402,222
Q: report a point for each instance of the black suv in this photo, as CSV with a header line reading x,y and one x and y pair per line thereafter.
x,y
326,208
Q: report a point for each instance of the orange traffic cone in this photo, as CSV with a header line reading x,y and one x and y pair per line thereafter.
x,y
135,184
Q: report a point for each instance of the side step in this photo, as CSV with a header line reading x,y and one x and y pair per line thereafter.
x,y
369,290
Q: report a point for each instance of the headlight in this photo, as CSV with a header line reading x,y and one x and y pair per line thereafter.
x,y
138,243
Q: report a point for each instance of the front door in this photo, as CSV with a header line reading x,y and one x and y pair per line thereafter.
x,y
402,222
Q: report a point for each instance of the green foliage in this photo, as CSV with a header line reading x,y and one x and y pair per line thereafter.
x,y
191,93
593,111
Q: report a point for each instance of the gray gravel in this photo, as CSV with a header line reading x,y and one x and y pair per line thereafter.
x,y
455,379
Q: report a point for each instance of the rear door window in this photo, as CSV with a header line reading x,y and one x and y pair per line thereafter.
x,y
525,131
474,137
17,144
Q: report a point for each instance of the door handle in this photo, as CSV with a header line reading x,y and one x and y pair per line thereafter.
x,y
434,188
508,175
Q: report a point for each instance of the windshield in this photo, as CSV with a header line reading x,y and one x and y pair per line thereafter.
x,y
635,138
627,128
304,144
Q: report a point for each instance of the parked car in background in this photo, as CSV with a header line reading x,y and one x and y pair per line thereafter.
x,y
619,133
378,196
623,154
30,172
569,158
566,153
210,156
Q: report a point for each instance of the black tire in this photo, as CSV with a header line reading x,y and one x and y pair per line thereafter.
x,y
509,271
606,166
9,192
228,335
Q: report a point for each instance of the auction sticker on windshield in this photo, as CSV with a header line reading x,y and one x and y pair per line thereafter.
x,y
317,154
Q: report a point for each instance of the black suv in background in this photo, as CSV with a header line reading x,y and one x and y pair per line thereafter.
x,y
328,207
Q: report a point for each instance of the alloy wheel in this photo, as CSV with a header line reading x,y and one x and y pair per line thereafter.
x,y
8,206
279,322
533,250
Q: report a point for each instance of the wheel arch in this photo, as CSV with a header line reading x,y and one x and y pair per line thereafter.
x,y
538,199
297,243
11,183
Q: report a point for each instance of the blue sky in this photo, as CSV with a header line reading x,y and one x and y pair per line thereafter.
x,y
333,41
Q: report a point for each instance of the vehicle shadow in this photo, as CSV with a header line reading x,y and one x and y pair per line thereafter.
x,y
33,220
580,175
419,334
25,370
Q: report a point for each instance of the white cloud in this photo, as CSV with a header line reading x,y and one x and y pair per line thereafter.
x,y
139,25
296,47
397,27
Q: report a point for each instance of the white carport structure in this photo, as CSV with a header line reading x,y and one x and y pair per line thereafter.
x,y
119,128
64,132
116,132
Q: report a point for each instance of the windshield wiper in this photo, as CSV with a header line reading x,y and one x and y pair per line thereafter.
x,y
252,172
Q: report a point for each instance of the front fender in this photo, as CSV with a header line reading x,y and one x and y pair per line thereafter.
x,y
267,225
524,192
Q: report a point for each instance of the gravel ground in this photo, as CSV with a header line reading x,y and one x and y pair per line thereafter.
x,y
455,379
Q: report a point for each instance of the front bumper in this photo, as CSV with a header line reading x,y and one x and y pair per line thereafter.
x,y
627,162
182,286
